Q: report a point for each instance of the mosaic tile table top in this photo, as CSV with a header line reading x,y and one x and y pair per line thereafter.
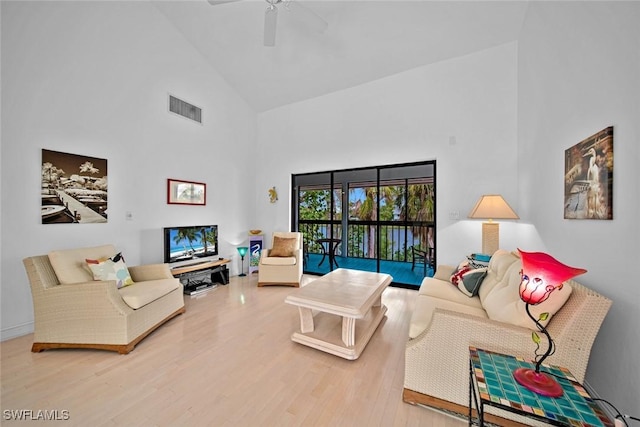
x,y
497,387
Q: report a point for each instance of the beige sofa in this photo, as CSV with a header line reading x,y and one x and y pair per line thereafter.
x,y
72,310
446,321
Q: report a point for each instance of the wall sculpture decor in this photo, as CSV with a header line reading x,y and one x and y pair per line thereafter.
x,y
273,195
74,188
588,177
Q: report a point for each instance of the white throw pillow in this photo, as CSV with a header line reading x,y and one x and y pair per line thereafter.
x,y
113,268
504,304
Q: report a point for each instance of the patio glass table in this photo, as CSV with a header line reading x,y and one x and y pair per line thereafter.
x,y
329,247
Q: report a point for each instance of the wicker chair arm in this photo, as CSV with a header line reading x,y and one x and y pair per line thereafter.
x,y
80,300
437,360
142,273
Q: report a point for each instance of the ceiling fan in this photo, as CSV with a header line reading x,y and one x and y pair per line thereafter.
x,y
307,17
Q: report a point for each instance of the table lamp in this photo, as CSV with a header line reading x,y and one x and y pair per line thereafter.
x,y
541,275
242,250
491,206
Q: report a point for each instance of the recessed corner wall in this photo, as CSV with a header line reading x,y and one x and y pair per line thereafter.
x,y
578,73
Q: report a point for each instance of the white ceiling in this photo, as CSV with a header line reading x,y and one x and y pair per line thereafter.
x,y
364,41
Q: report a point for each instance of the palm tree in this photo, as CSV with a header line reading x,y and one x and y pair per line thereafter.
x,y
420,207
368,211
208,236
313,204
189,234
88,167
50,173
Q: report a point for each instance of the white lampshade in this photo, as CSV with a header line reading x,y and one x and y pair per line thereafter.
x,y
491,206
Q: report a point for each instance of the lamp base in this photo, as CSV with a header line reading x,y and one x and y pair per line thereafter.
x,y
241,275
490,237
537,382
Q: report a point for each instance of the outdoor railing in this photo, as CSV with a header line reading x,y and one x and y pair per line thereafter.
x,y
395,242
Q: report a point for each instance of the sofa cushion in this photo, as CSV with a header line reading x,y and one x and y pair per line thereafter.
x,y
142,293
112,268
425,306
435,288
499,265
70,265
444,272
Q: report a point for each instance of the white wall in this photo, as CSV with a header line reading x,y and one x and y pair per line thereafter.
x,y
460,112
579,72
92,78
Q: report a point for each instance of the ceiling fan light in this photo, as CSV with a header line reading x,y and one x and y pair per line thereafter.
x,y
270,22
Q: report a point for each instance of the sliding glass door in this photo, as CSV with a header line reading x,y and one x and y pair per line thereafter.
x,y
378,219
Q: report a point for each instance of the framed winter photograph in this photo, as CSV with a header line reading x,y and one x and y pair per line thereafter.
x,y
186,192
74,188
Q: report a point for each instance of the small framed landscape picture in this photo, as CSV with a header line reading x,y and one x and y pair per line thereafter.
x,y
186,192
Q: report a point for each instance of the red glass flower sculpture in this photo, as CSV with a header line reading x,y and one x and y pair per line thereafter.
x,y
541,275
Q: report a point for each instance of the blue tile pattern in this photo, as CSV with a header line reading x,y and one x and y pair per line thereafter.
x,y
496,385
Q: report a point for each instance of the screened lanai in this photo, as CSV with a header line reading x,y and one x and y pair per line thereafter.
x,y
379,219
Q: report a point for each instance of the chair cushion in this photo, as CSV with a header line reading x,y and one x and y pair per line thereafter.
x,y
272,260
70,265
142,293
283,246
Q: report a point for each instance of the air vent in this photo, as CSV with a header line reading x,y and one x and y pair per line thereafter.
x,y
185,109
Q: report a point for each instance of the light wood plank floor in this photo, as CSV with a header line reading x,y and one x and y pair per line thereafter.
x,y
228,361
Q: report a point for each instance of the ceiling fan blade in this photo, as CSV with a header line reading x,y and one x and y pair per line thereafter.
x,y
270,21
217,2
306,16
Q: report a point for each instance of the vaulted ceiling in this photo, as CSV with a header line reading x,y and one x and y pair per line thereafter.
x,y
363,41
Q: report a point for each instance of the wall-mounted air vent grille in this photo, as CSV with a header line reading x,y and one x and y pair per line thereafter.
x,y
185,109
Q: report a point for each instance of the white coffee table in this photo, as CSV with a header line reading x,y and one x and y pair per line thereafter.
x,y
348,309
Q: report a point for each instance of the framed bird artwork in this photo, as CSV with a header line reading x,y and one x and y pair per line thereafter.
x,y
588,177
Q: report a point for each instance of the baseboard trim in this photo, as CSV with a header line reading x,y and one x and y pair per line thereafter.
x,y
16,331
416,398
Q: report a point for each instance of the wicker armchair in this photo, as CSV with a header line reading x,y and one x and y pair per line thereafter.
x,y
95,314
282,270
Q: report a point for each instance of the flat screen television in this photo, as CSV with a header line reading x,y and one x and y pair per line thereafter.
x,y
190,243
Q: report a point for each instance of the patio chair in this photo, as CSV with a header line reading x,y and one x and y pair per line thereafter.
x,y
420,256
